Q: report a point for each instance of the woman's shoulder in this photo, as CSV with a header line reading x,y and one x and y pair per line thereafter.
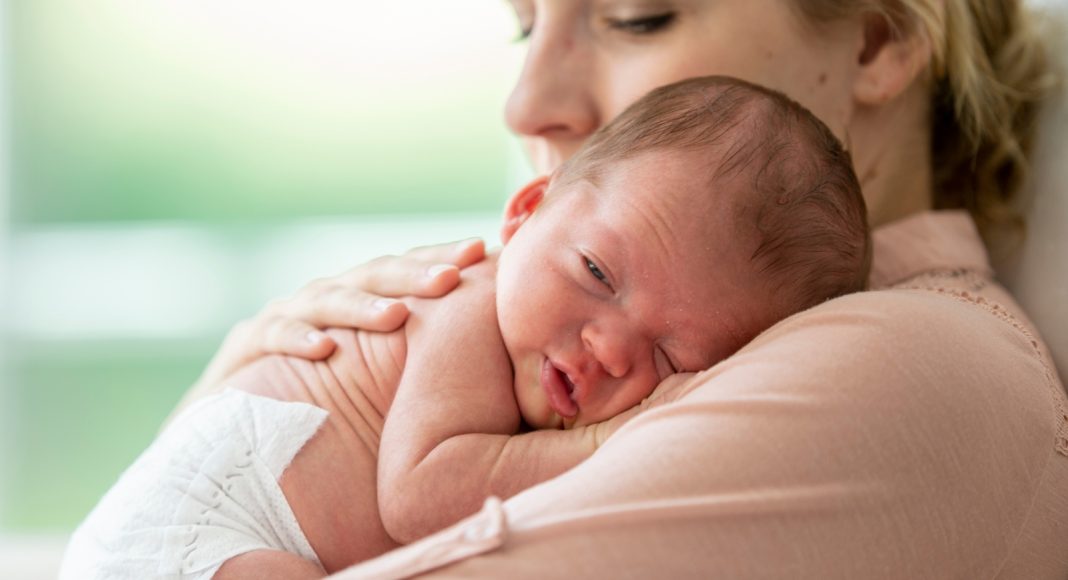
x,y
910,327
932,355
915,322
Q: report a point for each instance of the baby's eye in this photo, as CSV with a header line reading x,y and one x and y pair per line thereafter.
x,y
597,273
643,25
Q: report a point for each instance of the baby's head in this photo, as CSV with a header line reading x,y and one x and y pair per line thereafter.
x,y
707,211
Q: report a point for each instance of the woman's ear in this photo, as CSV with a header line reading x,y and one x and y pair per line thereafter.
x,y
522,205
890,60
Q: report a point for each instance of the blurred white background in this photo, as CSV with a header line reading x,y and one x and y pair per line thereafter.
x,y
168,166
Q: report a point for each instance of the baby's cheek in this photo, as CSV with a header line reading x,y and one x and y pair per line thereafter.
x,y
533,407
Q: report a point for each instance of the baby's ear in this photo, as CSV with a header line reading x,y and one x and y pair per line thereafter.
x,y
522,205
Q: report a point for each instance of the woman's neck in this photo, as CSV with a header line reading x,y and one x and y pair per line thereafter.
x,y
891,148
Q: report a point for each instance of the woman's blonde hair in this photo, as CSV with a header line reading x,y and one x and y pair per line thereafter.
x,y
990,73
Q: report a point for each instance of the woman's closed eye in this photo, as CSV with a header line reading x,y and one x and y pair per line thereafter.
x,y
643,25
524,32
524,15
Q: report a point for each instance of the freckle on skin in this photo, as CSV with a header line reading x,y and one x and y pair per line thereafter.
x,y
823,78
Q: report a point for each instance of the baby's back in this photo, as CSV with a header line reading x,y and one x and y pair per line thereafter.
x,y
331,483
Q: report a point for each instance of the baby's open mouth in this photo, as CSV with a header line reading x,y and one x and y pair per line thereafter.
x,y
559,390
568,383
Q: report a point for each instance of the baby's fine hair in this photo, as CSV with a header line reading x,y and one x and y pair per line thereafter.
x,y
800,196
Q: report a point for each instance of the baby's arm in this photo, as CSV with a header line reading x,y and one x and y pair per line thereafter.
x,y
449,438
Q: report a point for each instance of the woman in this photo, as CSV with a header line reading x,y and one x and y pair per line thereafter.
x,y
918,430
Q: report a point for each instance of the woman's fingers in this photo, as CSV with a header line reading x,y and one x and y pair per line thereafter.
x,y
330,303
403,276
428,272
295,337
360,298
356,299
461,254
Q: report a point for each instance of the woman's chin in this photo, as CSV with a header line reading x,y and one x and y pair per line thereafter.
x,y
546,156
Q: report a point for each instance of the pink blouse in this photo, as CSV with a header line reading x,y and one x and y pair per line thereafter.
x,y
915,431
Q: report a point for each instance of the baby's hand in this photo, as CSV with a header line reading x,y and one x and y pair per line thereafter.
x,y
668,390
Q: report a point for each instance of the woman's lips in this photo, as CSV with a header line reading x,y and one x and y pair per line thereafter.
x,y
556,389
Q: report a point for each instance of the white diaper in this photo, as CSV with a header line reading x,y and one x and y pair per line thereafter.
x,y
205,491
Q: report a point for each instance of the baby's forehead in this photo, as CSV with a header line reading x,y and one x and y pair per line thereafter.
x,y
681,189
690,234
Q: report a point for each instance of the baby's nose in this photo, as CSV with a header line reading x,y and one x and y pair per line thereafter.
x,y
612,349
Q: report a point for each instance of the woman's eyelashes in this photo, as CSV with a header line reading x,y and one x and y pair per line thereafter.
x,y
524,32
524,15
643,25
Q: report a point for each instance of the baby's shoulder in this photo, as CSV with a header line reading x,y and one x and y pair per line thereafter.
x,y
472,302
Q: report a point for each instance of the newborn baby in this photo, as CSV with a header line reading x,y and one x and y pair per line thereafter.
x,y
701,216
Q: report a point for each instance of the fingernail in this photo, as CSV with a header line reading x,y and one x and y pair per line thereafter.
x,y
464,245
435,271
384,303
314,337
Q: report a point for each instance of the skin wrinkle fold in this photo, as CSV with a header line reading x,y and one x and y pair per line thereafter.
x,y
348,396
342,410
354,396
397,354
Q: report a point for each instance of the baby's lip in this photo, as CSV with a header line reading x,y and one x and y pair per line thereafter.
x,y
559,389
576,388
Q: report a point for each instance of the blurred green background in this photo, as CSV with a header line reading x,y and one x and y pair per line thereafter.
x,y
174,164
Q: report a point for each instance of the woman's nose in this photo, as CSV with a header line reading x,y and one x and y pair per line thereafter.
x,y
612,346
553,98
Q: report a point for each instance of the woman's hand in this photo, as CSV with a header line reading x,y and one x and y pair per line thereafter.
x,y
360,298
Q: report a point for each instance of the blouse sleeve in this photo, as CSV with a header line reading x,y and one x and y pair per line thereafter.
x,y
890,434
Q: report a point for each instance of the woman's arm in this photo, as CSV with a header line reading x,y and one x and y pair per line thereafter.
x,y
359,298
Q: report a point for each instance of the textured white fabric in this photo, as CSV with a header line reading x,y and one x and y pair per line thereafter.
x,y
205,491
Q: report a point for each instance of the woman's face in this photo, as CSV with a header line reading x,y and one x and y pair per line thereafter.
x,y
588,60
